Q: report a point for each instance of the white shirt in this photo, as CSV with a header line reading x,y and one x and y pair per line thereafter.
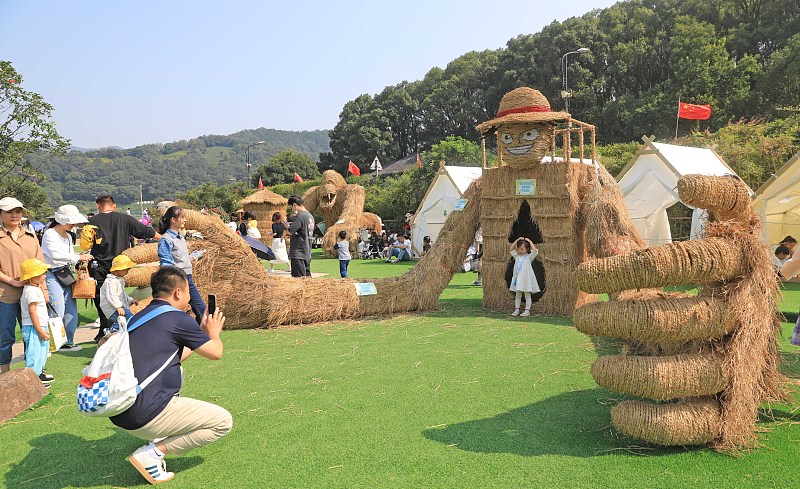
x,y
404,245
31,294
343,247
233,226
58,251
112,295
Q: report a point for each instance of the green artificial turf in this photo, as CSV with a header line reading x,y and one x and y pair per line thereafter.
x,y
460,397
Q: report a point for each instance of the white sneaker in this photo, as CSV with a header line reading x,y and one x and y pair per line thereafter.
x,y
515,313
525,313
152,469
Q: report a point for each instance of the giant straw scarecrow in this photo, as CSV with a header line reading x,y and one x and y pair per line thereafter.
x,y
709,361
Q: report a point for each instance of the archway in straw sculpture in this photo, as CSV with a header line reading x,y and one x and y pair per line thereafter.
x,y
526,227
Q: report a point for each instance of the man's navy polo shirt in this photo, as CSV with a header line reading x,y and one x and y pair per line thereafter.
x,y
151,344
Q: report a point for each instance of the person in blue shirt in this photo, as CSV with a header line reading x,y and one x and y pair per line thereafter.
x,y
173,251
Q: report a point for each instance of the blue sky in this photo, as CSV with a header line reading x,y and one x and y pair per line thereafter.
x,y
129,73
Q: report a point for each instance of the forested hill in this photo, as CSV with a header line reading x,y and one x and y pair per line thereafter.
x,y
164,170
740,56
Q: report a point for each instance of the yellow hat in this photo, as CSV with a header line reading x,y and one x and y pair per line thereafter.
x,y
32,267
122,262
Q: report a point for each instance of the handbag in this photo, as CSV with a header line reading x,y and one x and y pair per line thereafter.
x,y
63,275
85,287
58,333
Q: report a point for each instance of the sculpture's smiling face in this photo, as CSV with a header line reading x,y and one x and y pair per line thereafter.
x,y
523,144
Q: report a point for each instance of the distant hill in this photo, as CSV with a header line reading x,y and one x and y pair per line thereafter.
x,y
164,170
86,150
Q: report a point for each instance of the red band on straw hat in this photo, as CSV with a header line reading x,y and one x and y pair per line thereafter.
x,y
523,110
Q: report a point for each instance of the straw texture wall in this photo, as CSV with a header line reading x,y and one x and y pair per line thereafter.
x,y
264,203
690,422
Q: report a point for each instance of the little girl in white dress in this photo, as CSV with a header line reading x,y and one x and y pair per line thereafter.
x,y
523,280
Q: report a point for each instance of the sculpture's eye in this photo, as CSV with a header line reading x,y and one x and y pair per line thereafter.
x,y
531,135
507,138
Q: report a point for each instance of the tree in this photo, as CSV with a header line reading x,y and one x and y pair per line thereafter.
x,y
225,197
282,167
26,128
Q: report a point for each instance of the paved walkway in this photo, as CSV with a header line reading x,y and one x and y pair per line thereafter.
x,y
83,334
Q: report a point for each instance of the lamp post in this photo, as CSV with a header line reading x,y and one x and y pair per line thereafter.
x,y
566,93
247,161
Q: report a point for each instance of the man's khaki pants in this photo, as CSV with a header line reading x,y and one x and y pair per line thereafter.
x,y
186,424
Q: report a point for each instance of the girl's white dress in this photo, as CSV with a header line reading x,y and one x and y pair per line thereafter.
x,y
524,280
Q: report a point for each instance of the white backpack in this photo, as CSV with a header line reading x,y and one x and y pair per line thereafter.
x,y
109,385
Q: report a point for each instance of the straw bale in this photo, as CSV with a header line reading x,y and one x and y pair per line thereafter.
x,y
141,305
658,320
687,262
144,253
725,196
140,276
661,378
689,422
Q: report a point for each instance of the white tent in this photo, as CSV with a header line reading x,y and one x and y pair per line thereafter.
x,y
445,190
649,185
778,202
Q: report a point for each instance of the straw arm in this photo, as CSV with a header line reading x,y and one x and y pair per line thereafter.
x,y
311,199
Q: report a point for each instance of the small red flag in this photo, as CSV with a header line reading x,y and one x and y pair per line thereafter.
x,y
419,162
260,183
297,178
352,168
694,112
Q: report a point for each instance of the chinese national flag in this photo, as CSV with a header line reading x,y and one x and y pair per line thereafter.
x,y
297,178
419,162
352,168
260,183
694,112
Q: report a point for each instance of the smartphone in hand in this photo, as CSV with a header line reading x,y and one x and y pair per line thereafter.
x,y
212,304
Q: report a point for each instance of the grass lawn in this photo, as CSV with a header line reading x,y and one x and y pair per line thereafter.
x,y
460,397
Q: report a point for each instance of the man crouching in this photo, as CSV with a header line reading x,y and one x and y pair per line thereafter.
x,y
172,423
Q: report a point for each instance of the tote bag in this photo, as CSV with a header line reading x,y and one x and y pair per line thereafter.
x,y
58,333
85,287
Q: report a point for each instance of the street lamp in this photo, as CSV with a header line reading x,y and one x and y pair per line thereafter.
x,y
566,93
247,161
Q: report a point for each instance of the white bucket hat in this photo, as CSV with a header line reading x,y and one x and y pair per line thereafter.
x,y
10,203
69,214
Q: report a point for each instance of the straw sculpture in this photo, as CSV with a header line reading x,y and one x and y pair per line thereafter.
x,y
251,298
716,352
264,203
342,206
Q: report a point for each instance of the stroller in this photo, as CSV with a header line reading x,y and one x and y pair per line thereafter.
x,y
368,247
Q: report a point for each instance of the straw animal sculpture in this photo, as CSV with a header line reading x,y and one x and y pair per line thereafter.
x,y
715,356
338,201
252,298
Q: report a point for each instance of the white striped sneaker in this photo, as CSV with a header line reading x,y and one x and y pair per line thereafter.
x,y
152,468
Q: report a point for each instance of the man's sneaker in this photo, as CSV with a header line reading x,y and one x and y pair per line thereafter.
x,y
46,378
152,468
71,347
515,313
525,313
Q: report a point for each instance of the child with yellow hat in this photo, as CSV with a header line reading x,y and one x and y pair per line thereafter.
x,y
113,300
34,316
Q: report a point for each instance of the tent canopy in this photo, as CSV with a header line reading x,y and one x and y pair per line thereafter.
x,y
445,190
649,184
778,202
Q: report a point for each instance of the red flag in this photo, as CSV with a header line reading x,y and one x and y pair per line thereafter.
x,y
419,162
352,168
260,183
694,112
297,178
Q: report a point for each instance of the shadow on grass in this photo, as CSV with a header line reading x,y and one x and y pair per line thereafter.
x,y
61,460
573,423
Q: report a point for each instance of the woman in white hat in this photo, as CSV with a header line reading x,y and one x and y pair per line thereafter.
x,y
58,247
16,246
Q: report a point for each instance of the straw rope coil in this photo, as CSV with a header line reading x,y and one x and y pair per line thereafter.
x,y
686,262
661,378
689,422
140,276
657,320
725,196
144,253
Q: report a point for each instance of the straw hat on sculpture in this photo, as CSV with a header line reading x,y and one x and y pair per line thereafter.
x,y
342,206
709,360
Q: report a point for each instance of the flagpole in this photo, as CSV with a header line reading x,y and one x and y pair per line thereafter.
x,y
678,118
